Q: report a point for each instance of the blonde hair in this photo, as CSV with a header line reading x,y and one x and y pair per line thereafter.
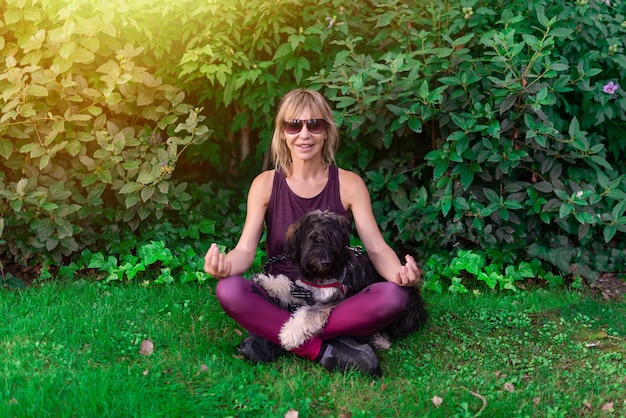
x,y
291,105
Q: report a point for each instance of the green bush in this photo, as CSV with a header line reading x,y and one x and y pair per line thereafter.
x,y
88,137
246,54
488,127
519,129
172,249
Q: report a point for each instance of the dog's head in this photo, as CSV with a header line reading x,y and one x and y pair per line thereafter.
x,y
318,244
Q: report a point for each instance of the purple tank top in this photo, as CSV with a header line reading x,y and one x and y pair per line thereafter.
x,y
285,208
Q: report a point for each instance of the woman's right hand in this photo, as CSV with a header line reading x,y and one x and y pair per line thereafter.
x,y
215,263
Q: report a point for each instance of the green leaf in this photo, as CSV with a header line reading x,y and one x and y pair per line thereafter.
x,y
491,195
507,104
434,155
456,135
423,91
561,32
83,56
415,124
565,210
73,148
440,168
561,194
21,186
149,191
131,269
37,91
463,40
512,204
12,16
344,102
557,66
376,177
89,179
45,229
446,205
6,148
525,270
541,17
146,177
64,228
460,203
153,252
131,187
584,218
104,176
601,162
467,177
57,191
131,200
609,232
67,49
35,149
603,179
574,128
583,230
618,210
385,19
490,280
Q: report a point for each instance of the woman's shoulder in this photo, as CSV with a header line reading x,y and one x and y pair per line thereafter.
x,y
353,189
349,178
261,187
263,181
264,176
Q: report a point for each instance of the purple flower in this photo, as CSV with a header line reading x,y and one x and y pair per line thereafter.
x,y
610,88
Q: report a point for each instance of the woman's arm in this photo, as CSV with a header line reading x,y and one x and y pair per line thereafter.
x,y
356,197
240,258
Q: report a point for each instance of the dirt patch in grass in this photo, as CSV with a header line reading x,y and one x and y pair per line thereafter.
x,y
610,286
25,275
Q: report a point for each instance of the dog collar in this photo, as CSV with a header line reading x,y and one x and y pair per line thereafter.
x,y
332,282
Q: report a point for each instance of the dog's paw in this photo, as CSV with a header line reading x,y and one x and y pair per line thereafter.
x,y
380,341
277,287
292,335
261,279
304,324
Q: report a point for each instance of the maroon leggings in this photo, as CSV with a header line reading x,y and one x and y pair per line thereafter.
x,y
361,315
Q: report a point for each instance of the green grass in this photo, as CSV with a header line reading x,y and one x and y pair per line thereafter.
x,y
72,349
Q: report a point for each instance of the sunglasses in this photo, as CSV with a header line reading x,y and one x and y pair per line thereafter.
x,y
294,126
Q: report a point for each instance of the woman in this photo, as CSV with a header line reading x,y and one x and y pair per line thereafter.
x,y
306,178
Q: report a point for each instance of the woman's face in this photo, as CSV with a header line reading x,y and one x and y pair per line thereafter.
x,y
307,143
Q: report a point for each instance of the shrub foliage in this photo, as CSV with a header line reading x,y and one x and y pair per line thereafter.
x,y
520,127
89,136
486,130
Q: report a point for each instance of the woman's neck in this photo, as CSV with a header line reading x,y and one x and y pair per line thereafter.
x,y
308,170
308,180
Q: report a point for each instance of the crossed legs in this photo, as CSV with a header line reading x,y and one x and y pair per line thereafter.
x,y
360,315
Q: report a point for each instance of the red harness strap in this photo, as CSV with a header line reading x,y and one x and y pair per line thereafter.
x,y
332,282
329,283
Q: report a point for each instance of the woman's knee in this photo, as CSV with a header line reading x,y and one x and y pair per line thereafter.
x,y
392,298
229,290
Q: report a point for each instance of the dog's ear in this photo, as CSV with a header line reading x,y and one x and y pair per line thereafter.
x,y
346,225
342,226
291,248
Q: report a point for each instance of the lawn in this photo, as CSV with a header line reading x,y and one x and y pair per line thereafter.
x,y
74,349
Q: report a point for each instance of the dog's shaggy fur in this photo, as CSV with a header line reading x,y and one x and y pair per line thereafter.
x,y
329,270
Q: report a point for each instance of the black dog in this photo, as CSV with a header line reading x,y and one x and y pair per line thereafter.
x,y
329,270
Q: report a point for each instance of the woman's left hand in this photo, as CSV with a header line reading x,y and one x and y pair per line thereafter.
x,y
409,274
